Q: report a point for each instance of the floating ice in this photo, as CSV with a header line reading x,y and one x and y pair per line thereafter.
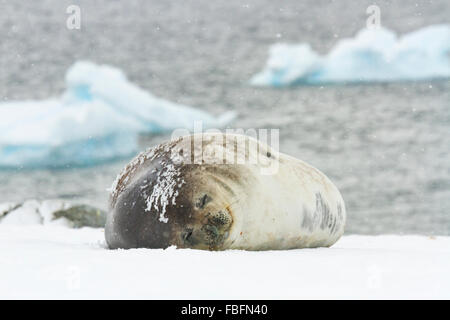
x,y
373,55
97,119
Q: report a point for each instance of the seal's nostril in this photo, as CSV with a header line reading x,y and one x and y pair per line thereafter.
x,y
187,234
211,231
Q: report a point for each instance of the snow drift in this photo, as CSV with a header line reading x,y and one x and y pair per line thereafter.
x,y
98,118
54,262
51,212
44,258
373,55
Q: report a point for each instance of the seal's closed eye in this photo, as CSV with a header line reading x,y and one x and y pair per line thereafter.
x,y
202,201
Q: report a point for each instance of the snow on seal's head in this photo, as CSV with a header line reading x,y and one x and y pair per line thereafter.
x,y
162,198
185,193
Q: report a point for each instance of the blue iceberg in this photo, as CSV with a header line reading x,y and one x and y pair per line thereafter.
x,y
98,118
374,55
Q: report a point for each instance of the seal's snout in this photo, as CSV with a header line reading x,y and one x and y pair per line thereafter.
x,y
211,228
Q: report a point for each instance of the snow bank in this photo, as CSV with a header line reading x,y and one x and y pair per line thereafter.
x,y
97,119
373,55
50,212
54,262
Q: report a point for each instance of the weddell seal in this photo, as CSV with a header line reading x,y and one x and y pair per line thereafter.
x,y
187,193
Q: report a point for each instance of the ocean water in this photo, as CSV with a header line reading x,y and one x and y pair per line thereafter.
x,y
386,146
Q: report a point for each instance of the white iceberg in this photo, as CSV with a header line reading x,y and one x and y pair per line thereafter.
x,y
98,118
374,55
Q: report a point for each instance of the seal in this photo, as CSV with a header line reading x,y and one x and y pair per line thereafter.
x,y
185,193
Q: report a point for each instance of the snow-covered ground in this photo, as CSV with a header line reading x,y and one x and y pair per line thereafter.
x,y
62,263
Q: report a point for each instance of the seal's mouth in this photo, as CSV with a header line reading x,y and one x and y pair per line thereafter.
x,y
210,233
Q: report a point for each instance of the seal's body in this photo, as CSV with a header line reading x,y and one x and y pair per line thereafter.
x,y
170,195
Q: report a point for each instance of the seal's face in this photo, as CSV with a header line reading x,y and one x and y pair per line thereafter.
x,y
182,206
208,223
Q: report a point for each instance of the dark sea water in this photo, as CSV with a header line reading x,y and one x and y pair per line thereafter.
x,y
386,146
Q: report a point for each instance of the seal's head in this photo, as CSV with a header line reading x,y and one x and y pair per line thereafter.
x,y
207,222
159,201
